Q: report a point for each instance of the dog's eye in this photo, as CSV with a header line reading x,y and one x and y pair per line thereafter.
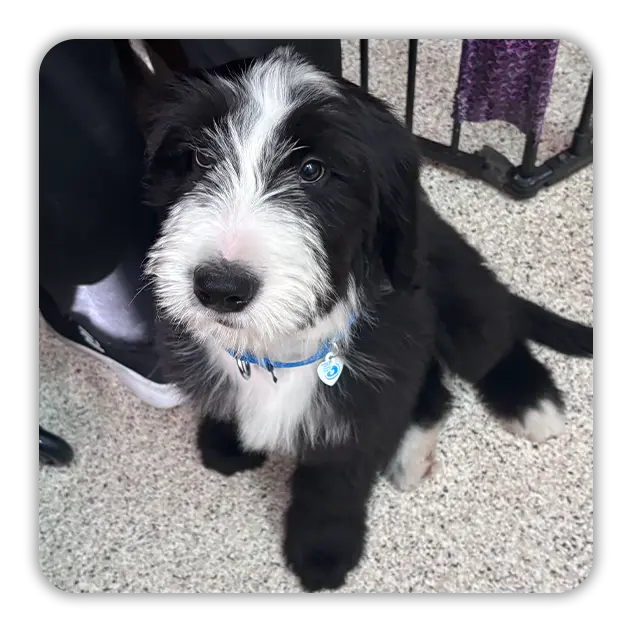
x,y
202,160
312,171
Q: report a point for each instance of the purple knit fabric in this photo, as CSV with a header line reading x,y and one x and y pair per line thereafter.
x,y
506,80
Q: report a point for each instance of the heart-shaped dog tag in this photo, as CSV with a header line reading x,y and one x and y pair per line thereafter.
x,y
330,369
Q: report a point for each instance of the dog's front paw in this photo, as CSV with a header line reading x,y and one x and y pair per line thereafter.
x,y
221,451
321,552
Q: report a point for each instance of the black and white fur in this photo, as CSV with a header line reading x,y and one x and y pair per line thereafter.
x,y
226,151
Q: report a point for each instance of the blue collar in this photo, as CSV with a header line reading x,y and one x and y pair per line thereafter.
x,y
270,365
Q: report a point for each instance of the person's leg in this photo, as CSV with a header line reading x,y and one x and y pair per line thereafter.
x,y
93,226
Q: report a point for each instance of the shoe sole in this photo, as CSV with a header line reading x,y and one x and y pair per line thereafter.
x,y
163,396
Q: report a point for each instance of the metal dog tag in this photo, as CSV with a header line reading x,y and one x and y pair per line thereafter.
x,y
330,369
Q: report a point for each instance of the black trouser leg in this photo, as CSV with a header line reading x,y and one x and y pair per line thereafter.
x,y
94,227
91,164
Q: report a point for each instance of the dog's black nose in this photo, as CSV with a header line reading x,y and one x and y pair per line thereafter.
x,y
224,286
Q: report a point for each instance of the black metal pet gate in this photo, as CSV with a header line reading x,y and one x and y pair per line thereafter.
x,y
521,181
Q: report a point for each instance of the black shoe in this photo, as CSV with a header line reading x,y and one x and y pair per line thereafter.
x,y
53,450
137,366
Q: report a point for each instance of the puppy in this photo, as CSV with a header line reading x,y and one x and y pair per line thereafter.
x,y
310,298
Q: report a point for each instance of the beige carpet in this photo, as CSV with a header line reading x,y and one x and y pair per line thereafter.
x,y
137,512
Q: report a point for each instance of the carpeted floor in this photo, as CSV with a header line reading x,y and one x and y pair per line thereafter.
x,y
138,513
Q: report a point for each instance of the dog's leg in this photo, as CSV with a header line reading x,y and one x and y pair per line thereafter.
x,y
521,392
416,456
325,523
221,451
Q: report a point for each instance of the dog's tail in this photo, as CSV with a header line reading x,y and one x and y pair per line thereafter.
x,y
558,333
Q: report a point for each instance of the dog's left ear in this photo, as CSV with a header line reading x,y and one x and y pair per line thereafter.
x,y
401,203
401,235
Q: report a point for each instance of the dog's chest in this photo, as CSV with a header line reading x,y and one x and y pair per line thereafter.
x,y
275,416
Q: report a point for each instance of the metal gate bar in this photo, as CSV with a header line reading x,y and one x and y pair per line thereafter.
x,y
582,140
522,181
410,85
529,155
456,136
364,64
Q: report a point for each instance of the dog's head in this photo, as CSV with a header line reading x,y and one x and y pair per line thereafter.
x,y
285,190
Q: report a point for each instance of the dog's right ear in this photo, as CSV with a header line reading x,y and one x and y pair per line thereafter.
x,y
169,152
175,115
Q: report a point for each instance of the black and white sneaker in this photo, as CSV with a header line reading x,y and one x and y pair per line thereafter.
x,y
137,366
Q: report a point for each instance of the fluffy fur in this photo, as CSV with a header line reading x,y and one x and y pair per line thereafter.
x,y
226,158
